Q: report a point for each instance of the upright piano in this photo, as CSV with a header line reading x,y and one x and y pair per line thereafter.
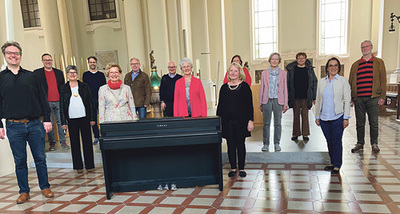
x,y
143,154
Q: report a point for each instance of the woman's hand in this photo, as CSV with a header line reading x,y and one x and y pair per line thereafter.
x,y
261,108
284,109
317,122
345,123
65,127
250,126
92,123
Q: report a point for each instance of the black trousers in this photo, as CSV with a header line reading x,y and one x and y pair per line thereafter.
x,y
235,141
169,109
75,126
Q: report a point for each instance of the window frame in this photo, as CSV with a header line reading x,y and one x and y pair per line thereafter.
x,y
345,35
254,44
30,13
114,23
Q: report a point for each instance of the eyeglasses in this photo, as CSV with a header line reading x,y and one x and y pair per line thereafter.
x,y
135,63
335,65
171,67
367,46
12,53
73,72
47,60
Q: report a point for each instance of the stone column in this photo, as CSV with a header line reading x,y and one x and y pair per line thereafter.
x,y
201,47
158,33
65,32
134,30
51,26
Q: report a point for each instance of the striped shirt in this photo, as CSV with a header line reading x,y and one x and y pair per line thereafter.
x,y
364,78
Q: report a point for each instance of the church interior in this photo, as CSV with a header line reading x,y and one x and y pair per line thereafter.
x,y
210,32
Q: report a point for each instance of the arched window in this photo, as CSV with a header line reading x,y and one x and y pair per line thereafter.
x,y
265,28
333,16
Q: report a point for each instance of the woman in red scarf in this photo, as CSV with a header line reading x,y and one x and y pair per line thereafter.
x,y
115,99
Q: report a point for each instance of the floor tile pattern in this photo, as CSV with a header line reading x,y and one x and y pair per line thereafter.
x,y
367,183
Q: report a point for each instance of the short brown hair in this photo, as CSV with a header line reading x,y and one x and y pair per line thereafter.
x,y
301,54
11,43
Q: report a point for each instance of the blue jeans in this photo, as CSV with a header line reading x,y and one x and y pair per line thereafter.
x,y
18,134
333,132
142,112
55,111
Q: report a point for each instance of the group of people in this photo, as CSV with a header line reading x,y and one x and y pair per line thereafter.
x,y
26,96
298,88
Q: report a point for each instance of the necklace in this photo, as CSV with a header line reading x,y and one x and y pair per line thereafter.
x,y
233,87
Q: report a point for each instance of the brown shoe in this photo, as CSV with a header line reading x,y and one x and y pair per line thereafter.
x,y
47,193
23,197
79,171
90,170
357,148
375,148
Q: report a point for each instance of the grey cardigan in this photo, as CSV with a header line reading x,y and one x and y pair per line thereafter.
x,y
341,96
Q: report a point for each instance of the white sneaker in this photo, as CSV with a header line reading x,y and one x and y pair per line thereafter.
x,y
173,187
159,187
166,187
265,148
277,148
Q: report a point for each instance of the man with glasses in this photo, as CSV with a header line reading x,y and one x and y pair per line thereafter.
x,y
368,91
52,79
167,89
95,79
139,83
22,102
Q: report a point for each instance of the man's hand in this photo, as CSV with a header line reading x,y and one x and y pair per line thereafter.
x,y
65,127
381,101
163,105
317,122
92,123
261,108
145,106
2,133
47,126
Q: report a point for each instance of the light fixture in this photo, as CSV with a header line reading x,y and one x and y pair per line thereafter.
x,y
392,17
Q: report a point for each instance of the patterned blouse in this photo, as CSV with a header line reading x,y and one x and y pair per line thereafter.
x,y
116,106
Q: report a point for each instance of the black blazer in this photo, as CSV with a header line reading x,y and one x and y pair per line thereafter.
x,y
42,76
84,93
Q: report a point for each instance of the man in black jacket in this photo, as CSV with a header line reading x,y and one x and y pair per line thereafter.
x,y
52,79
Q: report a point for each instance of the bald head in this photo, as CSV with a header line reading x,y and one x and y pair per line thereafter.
x,y
172,68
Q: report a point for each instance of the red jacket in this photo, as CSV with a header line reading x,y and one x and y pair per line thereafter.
x,y
198,102
246,72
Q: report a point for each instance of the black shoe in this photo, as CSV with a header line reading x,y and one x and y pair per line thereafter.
x,y
294,138
357,148
242,174
335,172
329,168
305,138
231,174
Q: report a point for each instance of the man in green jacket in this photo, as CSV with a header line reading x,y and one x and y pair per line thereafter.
x,y
139,83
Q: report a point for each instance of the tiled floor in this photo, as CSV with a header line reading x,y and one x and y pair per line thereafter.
x,y
368,183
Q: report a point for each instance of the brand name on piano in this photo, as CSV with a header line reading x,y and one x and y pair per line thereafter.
x,y
161,125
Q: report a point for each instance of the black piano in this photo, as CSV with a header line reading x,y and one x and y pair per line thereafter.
x,y
141,155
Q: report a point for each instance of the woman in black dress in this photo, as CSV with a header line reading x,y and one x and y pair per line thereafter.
x,y
235,107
